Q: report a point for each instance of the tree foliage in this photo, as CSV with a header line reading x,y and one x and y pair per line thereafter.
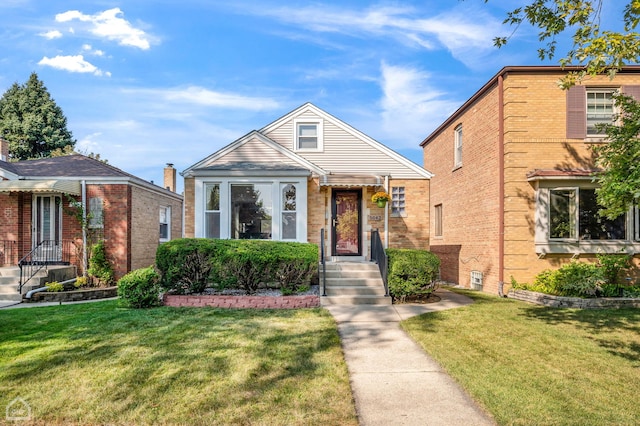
x,y
599,50
619,159
31,121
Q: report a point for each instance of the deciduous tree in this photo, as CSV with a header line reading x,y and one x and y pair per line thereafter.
x,y
599,49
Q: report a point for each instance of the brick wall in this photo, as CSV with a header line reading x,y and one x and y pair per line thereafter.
x,y
244,302
145,224
469,195
116,231
189,207
9,229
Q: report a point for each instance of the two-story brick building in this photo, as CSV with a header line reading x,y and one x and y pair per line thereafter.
x,y
512,192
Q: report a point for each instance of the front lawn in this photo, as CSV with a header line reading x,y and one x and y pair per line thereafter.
x,y
98,363
531,365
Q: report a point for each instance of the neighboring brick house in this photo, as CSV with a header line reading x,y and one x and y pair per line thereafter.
x,y
133,216
304,172
512,192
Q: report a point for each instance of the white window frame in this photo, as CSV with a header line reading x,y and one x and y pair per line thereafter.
x,y
398,201
204,196
276,182
596,90
319,134
544,244
457,146
167,215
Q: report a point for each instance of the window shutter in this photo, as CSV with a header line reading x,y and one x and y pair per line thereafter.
x,y
633,91
576,112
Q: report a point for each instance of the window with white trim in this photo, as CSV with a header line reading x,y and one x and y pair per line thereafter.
x,y
457,153
212,211
308,135
165,223
574,214
95,216
398,201
289,214
600,110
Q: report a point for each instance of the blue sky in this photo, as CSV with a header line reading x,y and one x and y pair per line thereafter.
x,y
145,83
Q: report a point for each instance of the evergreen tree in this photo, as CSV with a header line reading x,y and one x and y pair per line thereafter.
x,y
31,121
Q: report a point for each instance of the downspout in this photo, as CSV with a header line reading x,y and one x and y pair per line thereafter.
x,y
44,288
386,214
84,228
501,191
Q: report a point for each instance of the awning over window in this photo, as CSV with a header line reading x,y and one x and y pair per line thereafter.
x,y
64,186
350,180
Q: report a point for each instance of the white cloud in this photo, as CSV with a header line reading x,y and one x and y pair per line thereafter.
x,y
411,106
50,35
204,97
111,25
465,31
74,63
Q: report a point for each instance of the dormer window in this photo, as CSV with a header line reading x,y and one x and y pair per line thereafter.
x,y
308,135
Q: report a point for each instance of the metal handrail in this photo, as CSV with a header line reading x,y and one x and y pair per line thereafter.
x,y
47,252
379,256
323,263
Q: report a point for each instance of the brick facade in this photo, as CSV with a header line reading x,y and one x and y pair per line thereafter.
x,y
189,207
534,136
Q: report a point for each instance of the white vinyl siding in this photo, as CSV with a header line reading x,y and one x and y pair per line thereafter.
x,y
343,152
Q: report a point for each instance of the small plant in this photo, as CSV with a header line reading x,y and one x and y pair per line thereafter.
x,y
99,266
380,196
81,282
576,279
613,265
140,288
54,287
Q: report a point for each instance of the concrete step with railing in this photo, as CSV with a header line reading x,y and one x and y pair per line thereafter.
x,y
354,283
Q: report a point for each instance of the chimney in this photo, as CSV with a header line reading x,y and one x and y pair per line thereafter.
x,y
4,150
170,177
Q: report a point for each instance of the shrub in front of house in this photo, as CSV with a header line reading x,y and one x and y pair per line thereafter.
x,y
189,265
140,288
411,273
581,279
100,268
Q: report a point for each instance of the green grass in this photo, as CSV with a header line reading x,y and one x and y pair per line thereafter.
x,y
531,365
99,363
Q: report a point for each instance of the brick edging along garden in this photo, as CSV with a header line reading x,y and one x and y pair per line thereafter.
x,y
241,302
573,302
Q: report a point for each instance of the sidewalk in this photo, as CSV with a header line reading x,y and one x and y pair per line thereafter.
x,y
394,382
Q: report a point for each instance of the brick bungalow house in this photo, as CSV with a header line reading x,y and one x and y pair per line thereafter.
x,y
512,192
304,172
39,202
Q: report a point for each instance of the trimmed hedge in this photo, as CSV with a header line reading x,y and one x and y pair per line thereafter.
x,y
189,265
411,273
140,288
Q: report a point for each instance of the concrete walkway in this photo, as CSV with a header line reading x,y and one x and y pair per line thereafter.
x,y
394,382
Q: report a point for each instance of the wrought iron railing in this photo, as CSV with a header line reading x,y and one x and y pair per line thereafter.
x,y
8,252
46,253
323,263
379,256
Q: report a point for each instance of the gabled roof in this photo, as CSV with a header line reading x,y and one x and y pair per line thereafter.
x,y
309,107
205,164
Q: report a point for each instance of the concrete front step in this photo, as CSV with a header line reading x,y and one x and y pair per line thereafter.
x,y
355,300
354,283
14,297
340,290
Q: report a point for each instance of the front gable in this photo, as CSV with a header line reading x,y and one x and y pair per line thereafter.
x,y
340,148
